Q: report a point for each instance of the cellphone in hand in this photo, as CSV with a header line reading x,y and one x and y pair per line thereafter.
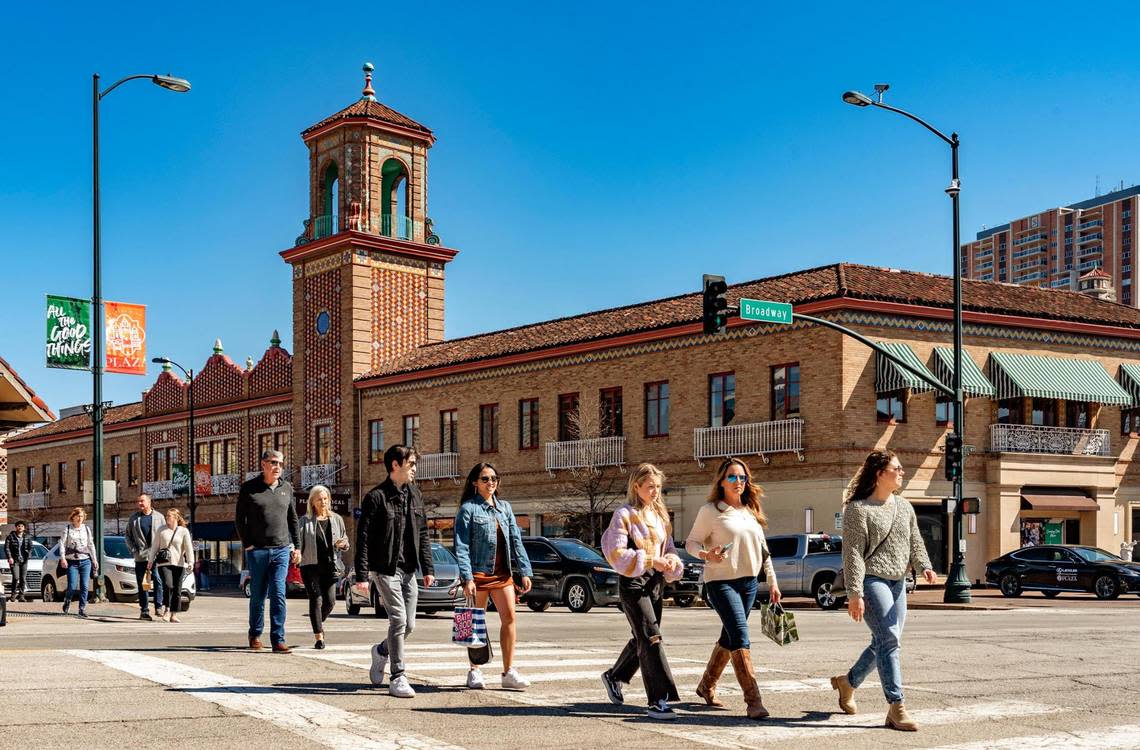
x,y
725,548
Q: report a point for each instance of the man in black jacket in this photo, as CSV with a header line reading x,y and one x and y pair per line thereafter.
x,y
391,542
18,549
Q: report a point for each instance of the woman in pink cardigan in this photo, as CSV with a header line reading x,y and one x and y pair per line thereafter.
x,y
639,544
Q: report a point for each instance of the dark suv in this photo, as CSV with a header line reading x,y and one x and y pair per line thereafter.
x,y
567,571
684,592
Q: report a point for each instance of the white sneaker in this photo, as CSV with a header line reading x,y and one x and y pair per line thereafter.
x,y
512,680
379,661
400,688
475,679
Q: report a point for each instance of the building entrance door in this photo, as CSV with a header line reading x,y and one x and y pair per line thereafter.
x,y
934,527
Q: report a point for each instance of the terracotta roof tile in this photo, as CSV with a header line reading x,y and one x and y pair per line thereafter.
x,y
372,110
36,400
841,280
114,415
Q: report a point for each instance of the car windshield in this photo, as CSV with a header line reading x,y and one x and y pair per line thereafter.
x,y
575,550
39,551
1095,554
116,546
441,555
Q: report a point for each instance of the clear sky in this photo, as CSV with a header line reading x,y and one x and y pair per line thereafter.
x,y
588,156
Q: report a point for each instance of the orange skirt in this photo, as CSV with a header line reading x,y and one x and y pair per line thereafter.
x,y
491,581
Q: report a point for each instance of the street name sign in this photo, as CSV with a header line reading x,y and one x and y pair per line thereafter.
x,y
765,311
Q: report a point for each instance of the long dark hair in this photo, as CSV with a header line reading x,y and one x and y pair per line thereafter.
x,y
469,490
863,484
751,494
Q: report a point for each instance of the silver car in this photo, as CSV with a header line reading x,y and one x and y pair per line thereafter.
x,y
32,578
118,575
434,599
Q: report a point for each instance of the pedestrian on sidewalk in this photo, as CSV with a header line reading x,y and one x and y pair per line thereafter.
x,y
728,535
322,540
391,543
488,546
639,545
172,552
18,549
141,528
881,542
266,521
78,557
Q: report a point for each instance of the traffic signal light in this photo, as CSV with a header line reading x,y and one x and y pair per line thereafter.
x,y
714,315
953,457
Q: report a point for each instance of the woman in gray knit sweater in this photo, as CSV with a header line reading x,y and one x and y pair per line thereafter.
x,y
880,543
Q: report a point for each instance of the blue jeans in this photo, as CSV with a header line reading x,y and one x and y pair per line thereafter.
x,y
885,614
78,574
732,601
156,590
399,595
268,567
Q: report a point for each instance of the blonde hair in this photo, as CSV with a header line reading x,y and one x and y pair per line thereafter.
x,y
751,494
77,511
179,519
317,491
640,475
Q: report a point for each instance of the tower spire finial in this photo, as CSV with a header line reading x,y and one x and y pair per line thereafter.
x,y
369,93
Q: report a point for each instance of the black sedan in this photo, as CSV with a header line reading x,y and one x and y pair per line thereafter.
x,y
686,590
1053,568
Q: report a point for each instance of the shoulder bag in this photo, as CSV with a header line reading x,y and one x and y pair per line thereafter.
x,y
839,585
162,557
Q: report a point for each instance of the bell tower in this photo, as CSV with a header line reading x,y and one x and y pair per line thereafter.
x,y
368,272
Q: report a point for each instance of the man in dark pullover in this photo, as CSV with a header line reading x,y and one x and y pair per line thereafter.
x,y
266,521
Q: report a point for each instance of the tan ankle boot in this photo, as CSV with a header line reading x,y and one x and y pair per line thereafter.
x,y
707,687
742,665
846,693
898,718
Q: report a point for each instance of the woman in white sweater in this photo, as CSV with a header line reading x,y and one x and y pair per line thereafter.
x,y
172,550
729,536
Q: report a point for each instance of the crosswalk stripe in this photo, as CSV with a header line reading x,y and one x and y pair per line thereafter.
x,y
1125,737
312,720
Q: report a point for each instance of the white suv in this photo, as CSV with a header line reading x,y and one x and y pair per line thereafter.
x,y
118,575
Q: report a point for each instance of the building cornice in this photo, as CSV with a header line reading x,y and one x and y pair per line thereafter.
x,y
373,124
350,239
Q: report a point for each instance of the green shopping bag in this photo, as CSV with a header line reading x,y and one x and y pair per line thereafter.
x,y
778,624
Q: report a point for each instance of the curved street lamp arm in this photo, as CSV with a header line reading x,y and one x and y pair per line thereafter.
x,y
116,84
919,120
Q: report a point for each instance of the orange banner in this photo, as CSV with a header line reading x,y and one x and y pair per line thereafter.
x,y
202,484
126,338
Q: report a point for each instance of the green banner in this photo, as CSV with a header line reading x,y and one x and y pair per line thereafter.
x,y
68,333
180,479
1053,533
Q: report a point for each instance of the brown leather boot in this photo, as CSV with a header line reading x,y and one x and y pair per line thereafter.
x,y
846,693
742,665
707,687
898,718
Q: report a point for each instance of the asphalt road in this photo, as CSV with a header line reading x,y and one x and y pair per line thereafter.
x,y
1060,676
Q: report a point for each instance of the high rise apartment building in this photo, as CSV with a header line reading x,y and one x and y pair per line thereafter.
x,y
1054,248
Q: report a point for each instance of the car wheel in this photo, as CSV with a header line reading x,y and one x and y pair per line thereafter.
x,y
1051,594
47,589
684,601
245,589
538,606
110,590
824,598
579,598
1106,587
1010,586
185,605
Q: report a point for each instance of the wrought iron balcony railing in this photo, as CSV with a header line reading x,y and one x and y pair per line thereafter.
x,y
1028,438
750,439
590,453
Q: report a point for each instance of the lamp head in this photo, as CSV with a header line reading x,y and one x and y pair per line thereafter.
x,y
857,98
180,85
160,360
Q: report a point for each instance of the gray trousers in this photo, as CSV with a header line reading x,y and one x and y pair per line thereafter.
x,y
398,595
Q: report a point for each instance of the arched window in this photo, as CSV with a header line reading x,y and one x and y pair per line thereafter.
x,y
328,221
395,203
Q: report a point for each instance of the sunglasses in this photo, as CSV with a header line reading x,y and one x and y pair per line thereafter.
x,y
734,478
489,480
275,462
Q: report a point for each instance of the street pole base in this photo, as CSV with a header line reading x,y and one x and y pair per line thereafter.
x,y
957,585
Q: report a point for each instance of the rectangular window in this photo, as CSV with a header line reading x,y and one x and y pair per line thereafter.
x,y
132,469
1044,412
45,480
569,424
264,443
528,423
281,443
31,476
657,409
15,481
1010,411
449,431
786,391
61,477
202,453
217,457
1130,425
412,430
891,407
231,451
722,399
610,419
323,443
943,409
488,428
81,473
1077,414
116,462
164,459
375,441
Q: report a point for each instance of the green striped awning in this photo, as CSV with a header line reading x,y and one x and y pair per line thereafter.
x,y
890,377
1130,379
1037,376
974,383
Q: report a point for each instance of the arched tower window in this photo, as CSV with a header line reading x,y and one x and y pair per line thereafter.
x,y
327,222
395,200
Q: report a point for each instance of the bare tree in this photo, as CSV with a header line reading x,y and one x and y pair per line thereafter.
x,y
590,490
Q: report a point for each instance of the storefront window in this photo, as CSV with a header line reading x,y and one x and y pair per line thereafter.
x,y
1009,411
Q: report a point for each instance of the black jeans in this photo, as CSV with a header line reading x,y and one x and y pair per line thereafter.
x,y
642,607
172,586
320,585
155,587
19,578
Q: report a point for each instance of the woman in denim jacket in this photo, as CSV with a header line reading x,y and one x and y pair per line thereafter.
x,y
489,546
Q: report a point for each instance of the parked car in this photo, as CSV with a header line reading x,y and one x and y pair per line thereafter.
x,y
806,565
118,575
569,572
294,584
431,600
1053,568
685,591
34,575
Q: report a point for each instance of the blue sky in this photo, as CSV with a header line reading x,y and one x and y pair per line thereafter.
x,y
588,156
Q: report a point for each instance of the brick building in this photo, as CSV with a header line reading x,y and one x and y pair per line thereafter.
x,y
1053,385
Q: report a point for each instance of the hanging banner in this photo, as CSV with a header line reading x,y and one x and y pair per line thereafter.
x,y
126,338
68,333
203,485
180,479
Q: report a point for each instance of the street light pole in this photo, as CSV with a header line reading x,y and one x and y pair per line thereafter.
x,y
173,84
957,584
190,440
